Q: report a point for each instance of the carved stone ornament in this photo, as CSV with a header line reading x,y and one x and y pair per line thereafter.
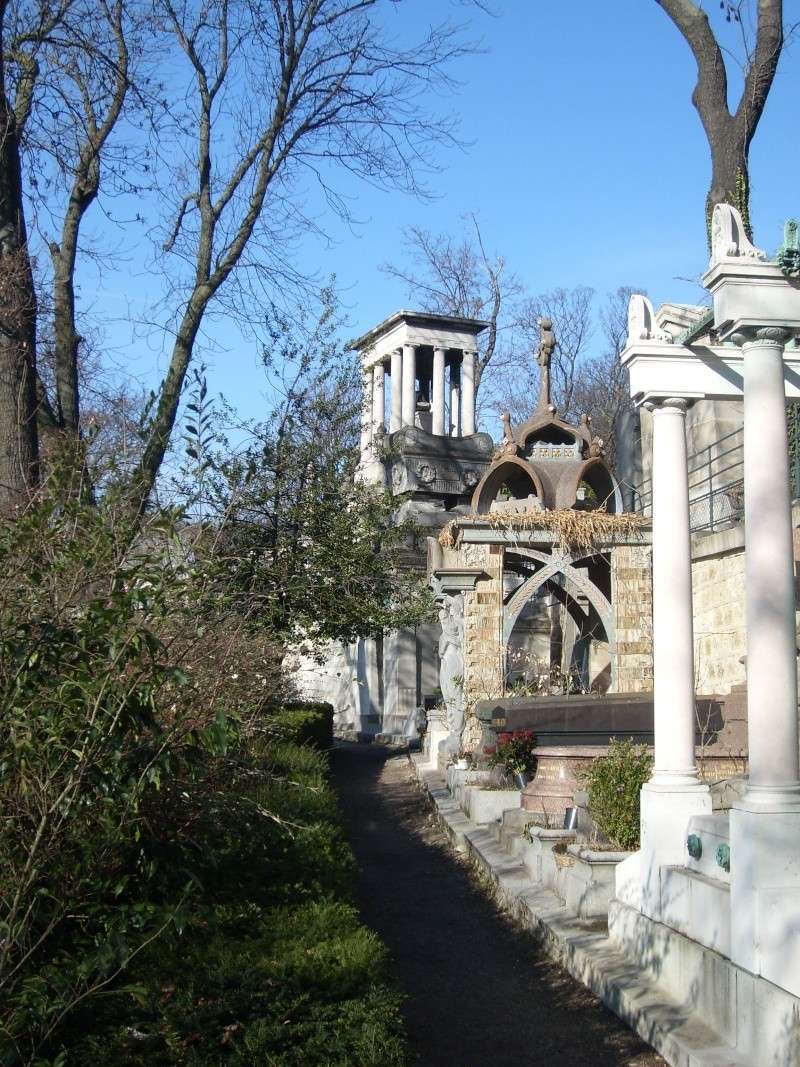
x,y
425,473
694,846
642,322
765,335
471,477
728,237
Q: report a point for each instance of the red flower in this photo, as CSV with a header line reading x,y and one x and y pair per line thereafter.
x,y
489,750
504,738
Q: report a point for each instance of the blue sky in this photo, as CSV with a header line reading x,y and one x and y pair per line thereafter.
x,y
585,163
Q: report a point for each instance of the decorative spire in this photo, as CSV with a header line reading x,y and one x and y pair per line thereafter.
x,y
547,344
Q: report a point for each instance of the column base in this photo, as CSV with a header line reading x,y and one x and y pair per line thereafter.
x,y
769,798
666,808
765,894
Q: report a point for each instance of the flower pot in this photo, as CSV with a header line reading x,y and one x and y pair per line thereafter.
x,y
462,765
521,779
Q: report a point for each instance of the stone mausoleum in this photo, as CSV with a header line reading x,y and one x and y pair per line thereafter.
x,y
550,583
418,437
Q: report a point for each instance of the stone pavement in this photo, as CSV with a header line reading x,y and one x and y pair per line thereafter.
x,y
480,990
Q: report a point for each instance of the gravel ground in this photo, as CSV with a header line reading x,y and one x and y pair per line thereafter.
x,y
479,989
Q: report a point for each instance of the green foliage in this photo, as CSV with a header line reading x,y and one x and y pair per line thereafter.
x,y
308,723
320,553
164,809
614,783
84,676
153,815
272,966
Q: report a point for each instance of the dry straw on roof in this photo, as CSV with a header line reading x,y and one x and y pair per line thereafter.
x,y
575,529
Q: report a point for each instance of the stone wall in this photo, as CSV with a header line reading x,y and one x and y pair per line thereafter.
x,y
483,624
632,604
720,638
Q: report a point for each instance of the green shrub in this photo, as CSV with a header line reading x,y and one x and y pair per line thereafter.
x,y
271,965
308,723
614,783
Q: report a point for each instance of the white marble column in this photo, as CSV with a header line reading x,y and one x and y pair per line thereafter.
x,y
378,401
765,822
455,400
396,420
437,391
366,415
409,384
769,578
468,393
673,641
674,792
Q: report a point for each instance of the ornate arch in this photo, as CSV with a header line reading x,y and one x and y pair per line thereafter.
x,y
487,488
585,473
554,564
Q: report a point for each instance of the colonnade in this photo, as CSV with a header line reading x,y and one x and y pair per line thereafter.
x,y
769,583
449,393
675,790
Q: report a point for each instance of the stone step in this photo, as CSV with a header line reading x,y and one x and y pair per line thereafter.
x,y
583,947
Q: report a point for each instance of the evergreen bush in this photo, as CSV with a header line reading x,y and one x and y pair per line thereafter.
x,y
613,783
307,723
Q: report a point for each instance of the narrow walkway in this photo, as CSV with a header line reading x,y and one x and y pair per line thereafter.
x,y
479,990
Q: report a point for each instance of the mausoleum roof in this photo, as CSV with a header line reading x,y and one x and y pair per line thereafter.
x,y
425,320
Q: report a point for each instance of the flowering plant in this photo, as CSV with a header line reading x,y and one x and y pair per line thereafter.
x,y
515,752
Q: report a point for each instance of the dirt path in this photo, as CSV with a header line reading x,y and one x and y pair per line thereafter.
x,y
479,990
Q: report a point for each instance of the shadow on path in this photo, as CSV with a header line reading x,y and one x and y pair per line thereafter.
x,y
480,991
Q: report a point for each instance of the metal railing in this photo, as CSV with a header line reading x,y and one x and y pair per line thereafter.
x,y
716,479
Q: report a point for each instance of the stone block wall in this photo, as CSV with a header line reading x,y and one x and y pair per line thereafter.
x,y
483,624
720,637
632,604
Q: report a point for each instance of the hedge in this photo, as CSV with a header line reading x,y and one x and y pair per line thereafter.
x,y
271,966
304,722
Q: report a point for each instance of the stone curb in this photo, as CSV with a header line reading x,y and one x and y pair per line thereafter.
x,y
582,946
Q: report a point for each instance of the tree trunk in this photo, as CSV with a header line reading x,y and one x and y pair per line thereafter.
x,y
730,175
729,133
19,444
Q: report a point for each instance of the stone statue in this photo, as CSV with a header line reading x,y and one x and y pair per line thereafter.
x,y
451,664
544,354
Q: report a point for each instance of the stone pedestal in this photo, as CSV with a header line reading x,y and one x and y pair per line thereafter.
x,y
765,894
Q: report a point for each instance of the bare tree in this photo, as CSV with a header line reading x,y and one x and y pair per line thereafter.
x,y
602,385
324,90
456,276
264,96
19,445
68,67
730,133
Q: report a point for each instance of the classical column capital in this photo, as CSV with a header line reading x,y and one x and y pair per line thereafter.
x,y
762,335
676,405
